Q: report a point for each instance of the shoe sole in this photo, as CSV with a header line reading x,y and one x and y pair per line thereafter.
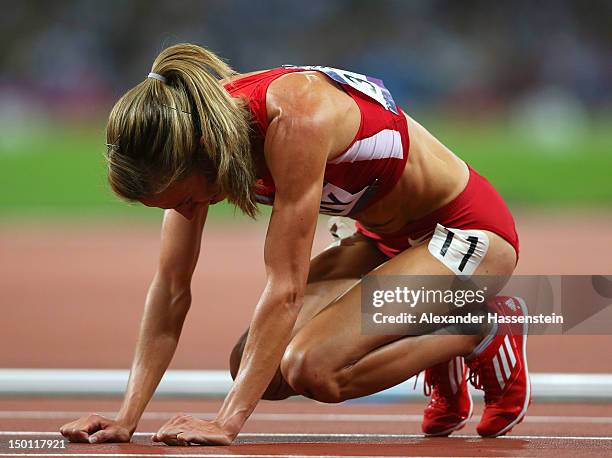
x,y
527,401
459,425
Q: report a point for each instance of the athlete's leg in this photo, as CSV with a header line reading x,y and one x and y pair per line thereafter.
x,y
330,360
332,272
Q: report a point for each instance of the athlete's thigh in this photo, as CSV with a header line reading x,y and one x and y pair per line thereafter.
x,y
335,332
334,271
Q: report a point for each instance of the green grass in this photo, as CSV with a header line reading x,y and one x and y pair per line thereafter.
x,y
58,170
531,172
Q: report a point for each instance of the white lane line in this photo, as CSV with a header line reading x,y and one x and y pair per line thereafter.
x,y
345,436
314,417
216,383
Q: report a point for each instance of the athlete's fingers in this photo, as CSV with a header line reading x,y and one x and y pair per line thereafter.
x,y
95,428
75,435
170,439
111,434
190,436
198,437
79,430
167,434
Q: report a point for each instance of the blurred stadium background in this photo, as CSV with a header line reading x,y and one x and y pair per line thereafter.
x,y
521,90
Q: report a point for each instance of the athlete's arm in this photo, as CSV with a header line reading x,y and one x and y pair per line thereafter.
x,y
299,137
166,306
297,144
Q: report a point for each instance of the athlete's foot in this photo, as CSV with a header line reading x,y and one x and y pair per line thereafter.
x,y
450,406
499,367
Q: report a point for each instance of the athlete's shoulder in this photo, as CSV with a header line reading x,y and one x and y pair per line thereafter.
x,y
301,93
293,84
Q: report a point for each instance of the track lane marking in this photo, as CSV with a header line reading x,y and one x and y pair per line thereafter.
x,y
314,417
349,436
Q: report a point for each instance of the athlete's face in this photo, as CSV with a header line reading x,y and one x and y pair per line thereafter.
x,y
186,195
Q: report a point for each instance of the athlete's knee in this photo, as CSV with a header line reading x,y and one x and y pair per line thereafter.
x,y
305,371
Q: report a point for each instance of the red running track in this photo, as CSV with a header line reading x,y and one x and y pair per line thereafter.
x,y
308,428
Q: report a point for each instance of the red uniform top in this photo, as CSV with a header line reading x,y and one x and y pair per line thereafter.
x,y
370,166
373,163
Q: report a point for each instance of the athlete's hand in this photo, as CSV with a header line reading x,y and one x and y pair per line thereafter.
x,y
184,429
95,428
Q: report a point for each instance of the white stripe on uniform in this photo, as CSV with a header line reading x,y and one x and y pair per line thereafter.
x,y
384,144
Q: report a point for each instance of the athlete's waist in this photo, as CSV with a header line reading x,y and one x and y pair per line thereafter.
x,y
427,184
409,225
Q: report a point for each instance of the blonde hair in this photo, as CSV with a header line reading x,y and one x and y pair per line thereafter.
x,y
160,132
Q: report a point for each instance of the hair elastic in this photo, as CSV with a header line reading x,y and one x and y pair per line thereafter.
x,y
157,76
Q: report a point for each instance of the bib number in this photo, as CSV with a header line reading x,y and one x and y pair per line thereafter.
x,y
461,251
372,87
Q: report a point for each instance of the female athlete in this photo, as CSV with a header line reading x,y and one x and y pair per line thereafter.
x,y
309,140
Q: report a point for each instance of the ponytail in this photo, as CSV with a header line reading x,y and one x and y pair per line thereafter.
x,y
165,128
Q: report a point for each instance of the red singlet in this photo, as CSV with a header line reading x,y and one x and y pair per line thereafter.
x,y
373,163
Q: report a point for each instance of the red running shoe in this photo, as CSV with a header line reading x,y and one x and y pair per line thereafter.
x,y
499,368
450,406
